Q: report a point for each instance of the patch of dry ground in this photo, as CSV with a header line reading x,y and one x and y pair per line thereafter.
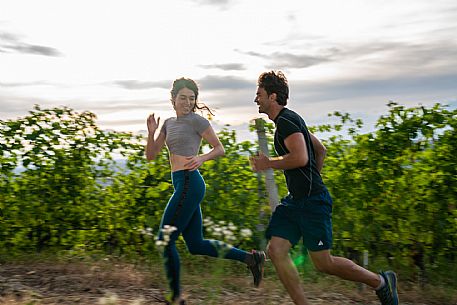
x,y
120,283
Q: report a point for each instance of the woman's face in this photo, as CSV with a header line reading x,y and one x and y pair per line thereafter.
x,y
184,102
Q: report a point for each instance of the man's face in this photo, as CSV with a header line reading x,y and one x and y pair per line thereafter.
x,y
262,100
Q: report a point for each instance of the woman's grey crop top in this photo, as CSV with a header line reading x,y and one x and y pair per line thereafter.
x,y
183,134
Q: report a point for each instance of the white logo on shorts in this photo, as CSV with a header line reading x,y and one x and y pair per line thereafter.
x,y
320,243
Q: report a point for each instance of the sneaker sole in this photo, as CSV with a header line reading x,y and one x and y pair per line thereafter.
x,y
393,277
264,257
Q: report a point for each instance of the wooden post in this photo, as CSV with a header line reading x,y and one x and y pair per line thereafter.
x,y
365,265
270,183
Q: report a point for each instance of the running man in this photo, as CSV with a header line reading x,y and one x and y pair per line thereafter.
x,y
306,212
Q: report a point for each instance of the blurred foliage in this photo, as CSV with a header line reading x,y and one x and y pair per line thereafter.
x,y
394,190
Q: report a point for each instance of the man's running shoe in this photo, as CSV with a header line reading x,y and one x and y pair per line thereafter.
x,y
257,267
387,294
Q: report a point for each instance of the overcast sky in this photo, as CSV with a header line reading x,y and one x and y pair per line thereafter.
x,y
119,58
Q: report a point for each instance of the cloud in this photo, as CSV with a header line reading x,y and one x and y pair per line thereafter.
x,y
213,2
122,122
223,4
375,56
106,107
366,96
434,17
14,106
288,60
227,67
213,82
232,99
8,36
399,57
33,49
11,43
282,60
349,94
136,84
24,84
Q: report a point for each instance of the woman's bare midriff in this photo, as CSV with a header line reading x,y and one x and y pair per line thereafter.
x,y
178,162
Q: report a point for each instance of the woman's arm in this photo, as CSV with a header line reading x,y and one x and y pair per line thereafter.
x,y
217,150
153,146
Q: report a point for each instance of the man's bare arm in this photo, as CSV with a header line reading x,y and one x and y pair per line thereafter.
x,y
319,150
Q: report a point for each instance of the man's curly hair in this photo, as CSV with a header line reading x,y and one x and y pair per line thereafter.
x,y
275,82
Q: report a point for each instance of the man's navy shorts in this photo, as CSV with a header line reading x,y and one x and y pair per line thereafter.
x,y
309,218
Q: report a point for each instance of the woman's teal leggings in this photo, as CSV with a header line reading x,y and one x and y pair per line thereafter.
x,y
183,212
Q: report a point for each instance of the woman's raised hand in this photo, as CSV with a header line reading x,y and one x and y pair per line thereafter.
x,y
152,123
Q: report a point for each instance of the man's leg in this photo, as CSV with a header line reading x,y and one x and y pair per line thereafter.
x,y
386,289
278,251
343,268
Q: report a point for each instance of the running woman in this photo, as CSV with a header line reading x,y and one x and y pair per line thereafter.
x,y
182,135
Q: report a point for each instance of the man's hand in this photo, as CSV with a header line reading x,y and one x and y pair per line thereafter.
x,y
260,162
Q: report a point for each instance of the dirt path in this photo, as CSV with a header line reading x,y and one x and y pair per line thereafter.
x,y
111,283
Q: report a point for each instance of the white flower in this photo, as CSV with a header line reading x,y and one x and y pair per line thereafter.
x,y
232,227
208,222
231,238
227,232
167,229
28,130
246,233
160,243
217,233
148,231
